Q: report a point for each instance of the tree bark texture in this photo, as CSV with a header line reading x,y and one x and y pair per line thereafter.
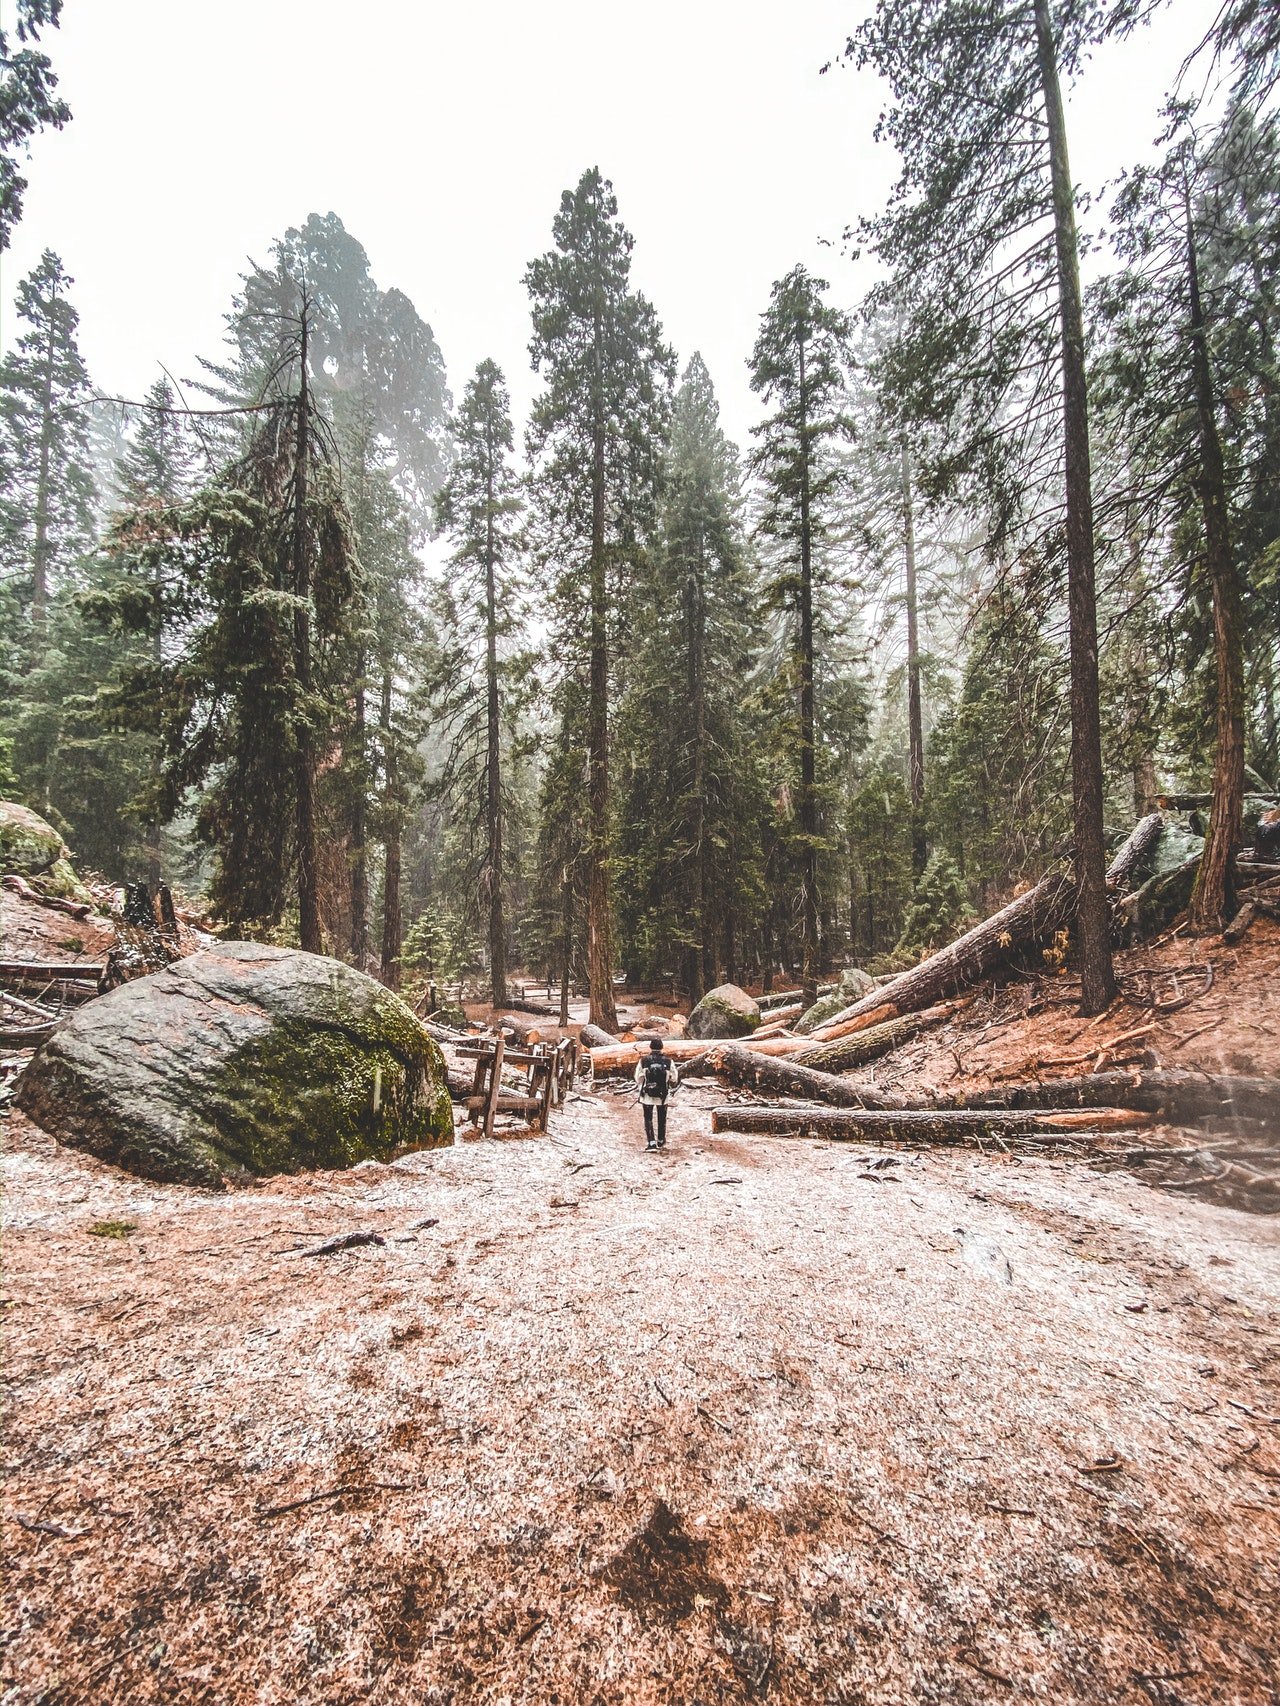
x,y
1031,918
915,711
494,875
808,734
1212,899
1097,975
846,1053
391,919
304,744
909,1126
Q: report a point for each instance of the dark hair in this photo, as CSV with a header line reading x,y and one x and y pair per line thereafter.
x,y
656,1044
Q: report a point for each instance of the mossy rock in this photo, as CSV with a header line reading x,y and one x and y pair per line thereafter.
x,y
724,1012
239,1061
28,845
853,985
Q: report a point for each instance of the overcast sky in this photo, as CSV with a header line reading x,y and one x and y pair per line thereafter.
x,y
443,137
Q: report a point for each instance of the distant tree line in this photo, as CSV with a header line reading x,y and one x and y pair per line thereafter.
x,y
1000,565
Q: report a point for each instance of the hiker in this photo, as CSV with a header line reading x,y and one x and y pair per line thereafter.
x,y
656,1078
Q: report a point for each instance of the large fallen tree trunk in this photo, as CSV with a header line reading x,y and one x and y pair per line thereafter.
x,y
23,971
923,1126
523,1030
858,1047
751,1070
1031,918
1175,1095
778,998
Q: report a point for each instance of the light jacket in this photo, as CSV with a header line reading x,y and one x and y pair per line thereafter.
x,y
673,1078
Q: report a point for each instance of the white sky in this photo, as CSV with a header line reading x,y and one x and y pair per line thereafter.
x,y
443,137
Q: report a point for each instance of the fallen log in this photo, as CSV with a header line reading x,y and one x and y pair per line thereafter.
x,y
1142,838
591,1036
869,1043
24,971
914,1126
843,1026
1235,931
523,1030
622,1057
539,1008
77,909
778,998
751,1070
781,1015
1175,1094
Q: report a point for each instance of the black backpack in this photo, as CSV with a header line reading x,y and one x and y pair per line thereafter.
x,y
657,1069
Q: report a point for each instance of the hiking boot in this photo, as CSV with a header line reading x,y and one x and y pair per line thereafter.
x,y
662,1143
651,1144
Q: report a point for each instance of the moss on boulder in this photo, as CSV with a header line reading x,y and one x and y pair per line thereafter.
x,y
724,1012
32,849
240,1061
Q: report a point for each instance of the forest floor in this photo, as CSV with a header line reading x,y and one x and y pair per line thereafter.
x,y
749,1420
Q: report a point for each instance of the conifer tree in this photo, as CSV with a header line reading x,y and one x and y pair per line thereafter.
x,y
47,489
687,775
596,438
480,671
799,365
27,102
980,235
260,576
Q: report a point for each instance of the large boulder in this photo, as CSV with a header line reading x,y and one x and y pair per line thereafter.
x,y
32,849
724,1012
241,1060
853,985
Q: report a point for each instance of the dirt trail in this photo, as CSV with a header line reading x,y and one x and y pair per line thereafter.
x,y
751,1420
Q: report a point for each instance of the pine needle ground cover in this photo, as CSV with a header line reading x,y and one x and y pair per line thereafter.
x,y
753,1420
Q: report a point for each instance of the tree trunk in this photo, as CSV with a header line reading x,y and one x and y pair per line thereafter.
x,y
915,714
780,1076
360,830
392,833
304,765
599,899
911,1126
493,756
846,1053
42,549
1097,975
1129,856
808,737
566,946
1029,919
1213,898
1179,1096
591,1036
697,688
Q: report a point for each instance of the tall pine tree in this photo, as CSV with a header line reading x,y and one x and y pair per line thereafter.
x,y
596,438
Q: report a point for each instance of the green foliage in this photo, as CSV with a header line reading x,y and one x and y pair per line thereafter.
x,y
27,103
1000,795
939,904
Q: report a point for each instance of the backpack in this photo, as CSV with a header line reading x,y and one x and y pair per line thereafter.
x,y
656,1073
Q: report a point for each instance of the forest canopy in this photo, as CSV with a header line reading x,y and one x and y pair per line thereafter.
x,y
316,636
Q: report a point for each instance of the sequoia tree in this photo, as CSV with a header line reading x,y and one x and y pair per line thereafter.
x,y
595,437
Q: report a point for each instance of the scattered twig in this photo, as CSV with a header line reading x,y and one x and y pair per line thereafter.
x,y
342,1492
715,1420
970,1658
657,1386
50,1528
344,1241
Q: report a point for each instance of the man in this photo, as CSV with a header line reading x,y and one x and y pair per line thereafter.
x,y
656,1078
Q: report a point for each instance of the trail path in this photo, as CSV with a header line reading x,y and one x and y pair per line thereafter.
x,y
749,1420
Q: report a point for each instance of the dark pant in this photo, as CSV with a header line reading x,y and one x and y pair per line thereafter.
x,y
661,1111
